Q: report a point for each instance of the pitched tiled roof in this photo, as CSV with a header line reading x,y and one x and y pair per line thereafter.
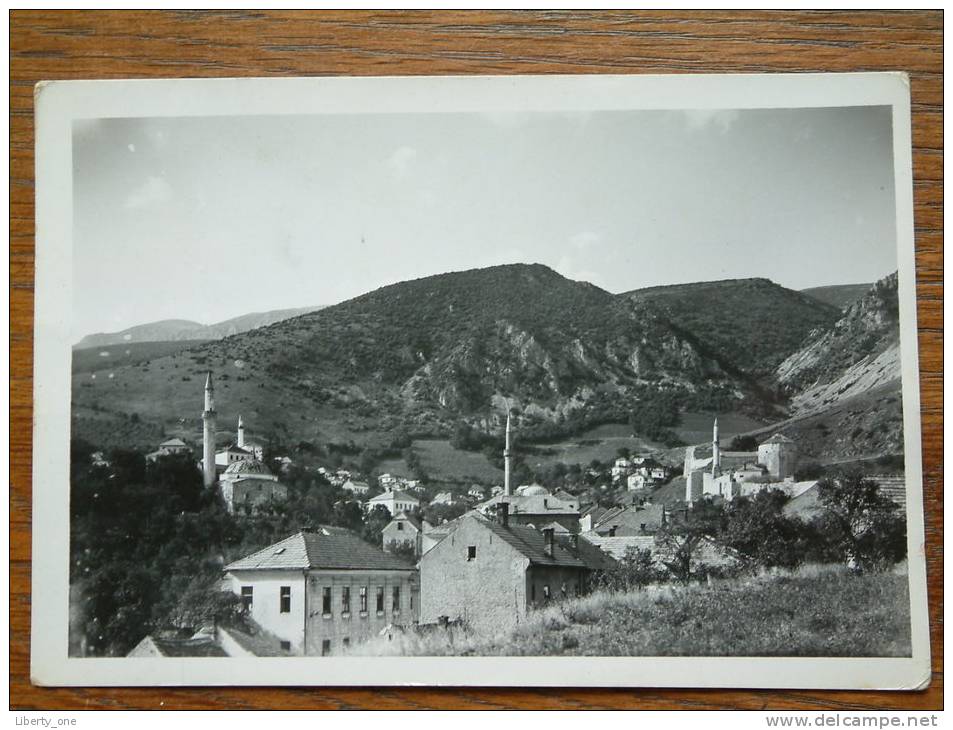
x,y
188,647
396,495
530,504
531,544
173,442
617,546
334,548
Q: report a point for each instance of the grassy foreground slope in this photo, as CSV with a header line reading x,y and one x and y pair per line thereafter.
x,y
816,611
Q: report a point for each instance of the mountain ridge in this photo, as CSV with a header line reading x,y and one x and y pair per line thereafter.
x,y
172,330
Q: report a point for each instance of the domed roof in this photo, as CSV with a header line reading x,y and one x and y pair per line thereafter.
x,y
248,467
533,489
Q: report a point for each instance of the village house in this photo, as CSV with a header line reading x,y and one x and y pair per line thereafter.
x,y
533,505
477,492
447,498
490,574
322,591
171,447
394,502
407,530
632,520
355,487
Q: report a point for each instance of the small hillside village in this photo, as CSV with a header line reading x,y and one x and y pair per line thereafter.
x,y
324,590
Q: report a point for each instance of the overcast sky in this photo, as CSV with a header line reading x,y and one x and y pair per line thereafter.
x,y
212,217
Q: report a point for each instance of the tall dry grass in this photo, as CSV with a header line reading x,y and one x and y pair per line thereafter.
x,y
812,611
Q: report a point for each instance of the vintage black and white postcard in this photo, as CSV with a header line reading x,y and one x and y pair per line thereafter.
x,y
478,381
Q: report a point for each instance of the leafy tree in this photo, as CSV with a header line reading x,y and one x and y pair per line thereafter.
x,y
374,523
680,540
403,549
758,529
864,523
635,570
744,443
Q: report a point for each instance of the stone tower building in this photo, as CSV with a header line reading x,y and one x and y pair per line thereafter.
x,y
208,435
779,455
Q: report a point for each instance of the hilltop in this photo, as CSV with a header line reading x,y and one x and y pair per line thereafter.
x,y
751,325
423,355
174,330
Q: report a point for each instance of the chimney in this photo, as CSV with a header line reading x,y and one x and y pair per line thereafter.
x,y
549,535
503,511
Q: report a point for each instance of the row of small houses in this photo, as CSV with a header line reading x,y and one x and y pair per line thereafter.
x,y
319,592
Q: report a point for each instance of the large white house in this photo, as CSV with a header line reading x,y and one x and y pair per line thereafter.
x,y
395,501
320,592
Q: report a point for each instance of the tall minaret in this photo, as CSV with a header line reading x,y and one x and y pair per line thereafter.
x,y
715,450
208,434
507,458
241,432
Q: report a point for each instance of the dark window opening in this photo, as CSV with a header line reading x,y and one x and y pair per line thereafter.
x,y
247,597
286,646
400,526
285,599
395,599
325,647
380,599
363,599
326,600
346,641
471,552
346,599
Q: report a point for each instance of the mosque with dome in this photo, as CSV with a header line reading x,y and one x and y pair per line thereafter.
x,y
237,471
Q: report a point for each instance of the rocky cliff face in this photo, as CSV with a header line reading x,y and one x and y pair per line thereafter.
x,y
861,352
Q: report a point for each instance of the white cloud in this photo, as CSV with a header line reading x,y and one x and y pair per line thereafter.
x,y
401,161
152,192
570,268
702,118
584,240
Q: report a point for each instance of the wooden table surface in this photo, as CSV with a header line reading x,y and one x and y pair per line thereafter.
x,y
48,45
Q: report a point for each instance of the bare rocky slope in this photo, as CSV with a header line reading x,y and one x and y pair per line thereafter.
x,y
859,353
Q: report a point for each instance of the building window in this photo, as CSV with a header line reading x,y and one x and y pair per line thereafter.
x,y
380,599
395,599
471,552
346,641
285,599
346,599
400,526
326,600
286,646
532,593
325,647
545,593
363,599
247,597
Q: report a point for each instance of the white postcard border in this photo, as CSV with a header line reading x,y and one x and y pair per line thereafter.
x,y
59,103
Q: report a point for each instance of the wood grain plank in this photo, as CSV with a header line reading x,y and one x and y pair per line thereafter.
x,y
49,45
